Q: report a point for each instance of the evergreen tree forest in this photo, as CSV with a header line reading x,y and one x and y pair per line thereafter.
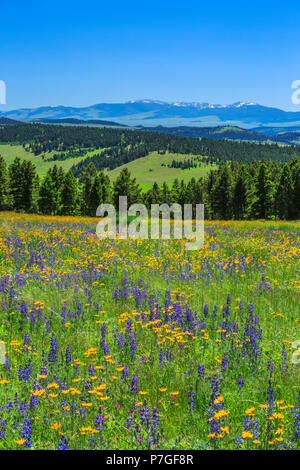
x,y
235,190
119,146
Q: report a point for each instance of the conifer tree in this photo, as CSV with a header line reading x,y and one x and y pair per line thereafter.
x,y
221,200
295,206
95,196
283,200
126,186
3,185
106,189
239,197
207,197
69,195
154,195
16,184
86,178
29,186
165,194
261,207
175,190
48,202
58,176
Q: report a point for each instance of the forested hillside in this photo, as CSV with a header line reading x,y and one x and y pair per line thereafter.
x,y
257,190
241,181
124,145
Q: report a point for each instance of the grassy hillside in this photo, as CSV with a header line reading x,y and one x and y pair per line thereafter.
x,y
146,170
10,152
149,169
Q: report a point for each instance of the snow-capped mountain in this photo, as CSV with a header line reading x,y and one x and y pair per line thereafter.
x,y
148,112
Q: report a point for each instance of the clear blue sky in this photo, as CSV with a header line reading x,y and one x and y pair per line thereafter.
x,y
82,53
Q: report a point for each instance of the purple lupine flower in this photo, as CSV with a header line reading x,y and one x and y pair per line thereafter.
x,y
201,371
26,372
68,355
121,340
133,347
205,310
27,432
135,384
168,355
2,429
99,422
103,330
192,400
161,358
238,442
53,353
125,374
63,443
240,382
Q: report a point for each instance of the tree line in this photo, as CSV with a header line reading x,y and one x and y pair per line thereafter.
x,y
119,146
257,190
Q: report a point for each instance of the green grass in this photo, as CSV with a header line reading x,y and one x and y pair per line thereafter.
x,y
149,169
10,152
146,170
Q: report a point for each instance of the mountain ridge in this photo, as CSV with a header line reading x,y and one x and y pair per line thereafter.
x,y
152,113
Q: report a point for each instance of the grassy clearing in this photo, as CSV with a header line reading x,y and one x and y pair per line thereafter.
x,y
10,152
149,169
146,170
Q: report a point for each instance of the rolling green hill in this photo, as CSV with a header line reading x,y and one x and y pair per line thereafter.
x,y
146,170
10,151
154,168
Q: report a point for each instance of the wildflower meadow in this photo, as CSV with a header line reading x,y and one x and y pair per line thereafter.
x,y
141,344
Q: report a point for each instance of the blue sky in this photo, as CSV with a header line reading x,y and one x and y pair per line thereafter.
x,y
81,53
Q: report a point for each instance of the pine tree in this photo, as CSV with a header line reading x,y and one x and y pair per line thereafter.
x,y
29,186
3,185
48,202
154,195
175,190
95,196
69,195
221,198
86,178
283,200
16,184
295,206
207,196
261,207
23,185
239,197
106,190
58,176
165,194
126,186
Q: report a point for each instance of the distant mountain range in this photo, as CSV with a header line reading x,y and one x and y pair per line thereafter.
x,y
154,113
233,133
260,134
5,121
74,121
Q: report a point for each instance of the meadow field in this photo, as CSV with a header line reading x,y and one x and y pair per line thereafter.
x,y
42,162
147,170
154,169
122,344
